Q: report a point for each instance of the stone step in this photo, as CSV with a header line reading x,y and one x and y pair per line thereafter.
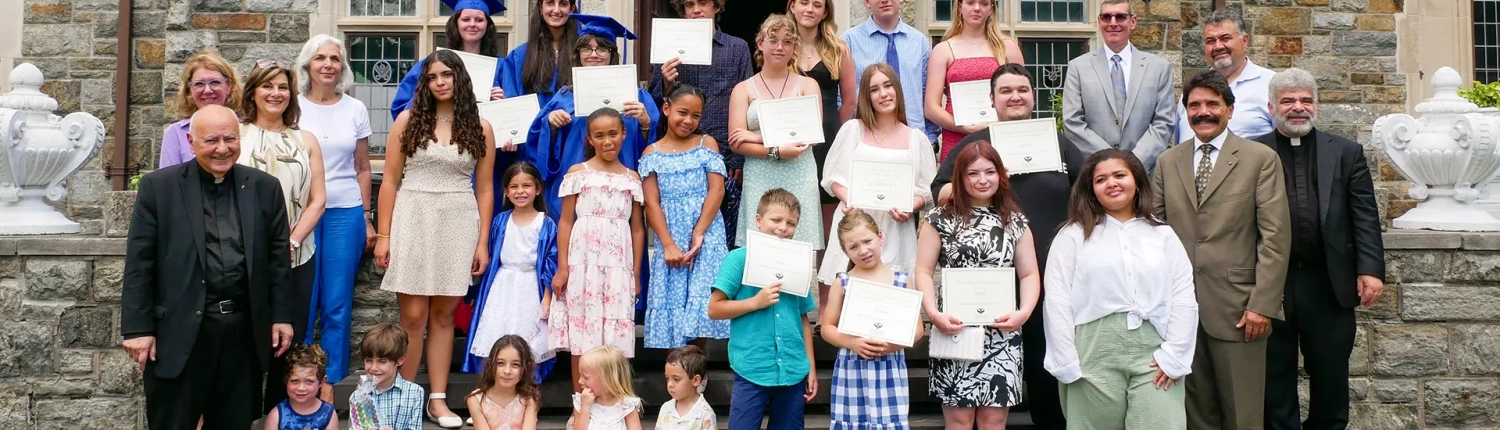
x,y
930,420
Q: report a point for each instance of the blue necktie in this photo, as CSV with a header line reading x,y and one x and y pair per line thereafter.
x,y
890,54
1117,78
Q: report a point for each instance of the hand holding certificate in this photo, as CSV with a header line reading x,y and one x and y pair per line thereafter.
x,y
481,73
771,259
790,120
971,103
979,296
688,40
510,118
882,312
881,185
603,87
1027,146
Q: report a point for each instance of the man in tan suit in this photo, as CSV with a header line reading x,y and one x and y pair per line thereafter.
x,y
1226,199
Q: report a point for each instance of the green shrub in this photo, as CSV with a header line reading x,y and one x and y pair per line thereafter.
x,y
1056,101
135,181
1484,95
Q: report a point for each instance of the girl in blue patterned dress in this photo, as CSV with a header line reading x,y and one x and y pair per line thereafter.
x,y
683,175
870,388
302,410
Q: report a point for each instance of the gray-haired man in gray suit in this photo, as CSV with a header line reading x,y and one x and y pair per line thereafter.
x,y
1118,96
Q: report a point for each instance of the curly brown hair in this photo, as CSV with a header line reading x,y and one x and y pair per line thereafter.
x,y
310,356
467,133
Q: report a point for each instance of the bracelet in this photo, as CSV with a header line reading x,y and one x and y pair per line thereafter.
x,y
383,236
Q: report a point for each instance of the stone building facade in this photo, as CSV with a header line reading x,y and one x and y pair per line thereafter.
x,y
1426,354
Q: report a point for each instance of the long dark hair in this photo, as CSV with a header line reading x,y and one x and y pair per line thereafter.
x,y
523,168
961,204
1084,208
526,387
468,134
489,44
565,71
541,60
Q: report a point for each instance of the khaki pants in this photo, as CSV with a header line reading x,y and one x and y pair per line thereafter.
x,y
1117,390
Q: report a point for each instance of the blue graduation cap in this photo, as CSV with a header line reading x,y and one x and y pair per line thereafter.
x,y
603,26
489,7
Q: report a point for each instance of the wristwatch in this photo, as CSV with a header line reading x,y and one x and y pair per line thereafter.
x,y
775,153
296,245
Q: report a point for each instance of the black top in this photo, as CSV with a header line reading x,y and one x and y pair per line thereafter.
x,y
1299,163
1043,196
831,124
226,251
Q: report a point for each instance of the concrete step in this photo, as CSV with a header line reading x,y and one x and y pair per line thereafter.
x,y
924,421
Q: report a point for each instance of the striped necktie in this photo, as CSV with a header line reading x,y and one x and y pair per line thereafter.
x,y
1117,79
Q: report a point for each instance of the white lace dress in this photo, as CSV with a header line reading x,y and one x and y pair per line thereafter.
x,y
513,306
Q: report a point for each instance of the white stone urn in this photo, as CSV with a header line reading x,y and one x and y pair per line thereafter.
x,y
43,150
1449,155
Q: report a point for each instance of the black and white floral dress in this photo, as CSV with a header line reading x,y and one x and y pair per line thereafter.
x,y
985,241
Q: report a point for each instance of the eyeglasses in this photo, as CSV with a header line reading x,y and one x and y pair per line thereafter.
x,y
267,63
210,83
1115,17
598,50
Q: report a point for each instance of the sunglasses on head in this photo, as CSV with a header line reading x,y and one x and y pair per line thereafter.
x,y
267,63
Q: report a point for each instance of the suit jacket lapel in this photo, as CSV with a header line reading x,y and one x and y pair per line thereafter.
x,y
1186,177
1138,63
245,196
1101,68
192,206
1228,157
1328,165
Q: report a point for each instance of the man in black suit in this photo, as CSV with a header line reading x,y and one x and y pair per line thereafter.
x,y
1043,198
205,297
1337,260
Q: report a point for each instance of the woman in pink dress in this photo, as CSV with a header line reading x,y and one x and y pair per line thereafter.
x,y
971,50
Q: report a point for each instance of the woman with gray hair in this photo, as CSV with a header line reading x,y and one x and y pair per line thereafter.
x,y
342,126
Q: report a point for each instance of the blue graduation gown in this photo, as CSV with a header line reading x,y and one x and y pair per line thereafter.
x,y
510,77
553,152
546,267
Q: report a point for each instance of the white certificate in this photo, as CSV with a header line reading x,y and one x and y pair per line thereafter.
x,y
978,296
510,117
882,312
1027,146
691,40
603,87
971,103
882,185
772,259
790,120
481,73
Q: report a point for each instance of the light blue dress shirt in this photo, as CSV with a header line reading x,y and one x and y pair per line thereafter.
x,y
1251,118
867,45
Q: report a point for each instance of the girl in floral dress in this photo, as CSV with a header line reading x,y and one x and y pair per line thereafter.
x,y
602,227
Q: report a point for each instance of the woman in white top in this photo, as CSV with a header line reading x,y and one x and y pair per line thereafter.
x,y
1121,318
879,133
271,142
341,124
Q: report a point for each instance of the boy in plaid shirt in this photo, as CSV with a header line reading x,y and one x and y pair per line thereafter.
x,y
398,402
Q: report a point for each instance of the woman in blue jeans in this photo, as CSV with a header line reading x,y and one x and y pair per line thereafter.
x,y
342,124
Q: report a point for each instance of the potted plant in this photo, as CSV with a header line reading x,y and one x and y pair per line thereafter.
x,y
1487,96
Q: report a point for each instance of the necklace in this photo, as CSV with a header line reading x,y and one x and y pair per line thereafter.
x,y
447,119
768,86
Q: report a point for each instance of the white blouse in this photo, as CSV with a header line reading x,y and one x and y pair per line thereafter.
x,y
1132,267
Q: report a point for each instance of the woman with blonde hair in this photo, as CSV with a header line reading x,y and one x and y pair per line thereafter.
x,y
206,80
971,50
825,58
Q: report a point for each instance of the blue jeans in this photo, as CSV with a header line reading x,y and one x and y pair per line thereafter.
x,y
751,402
340,238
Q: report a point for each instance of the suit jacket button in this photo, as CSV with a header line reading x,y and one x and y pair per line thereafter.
x,y
198,313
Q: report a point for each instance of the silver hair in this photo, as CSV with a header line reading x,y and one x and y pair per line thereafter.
x,y
304,60
1292,79
1129,7
1223,15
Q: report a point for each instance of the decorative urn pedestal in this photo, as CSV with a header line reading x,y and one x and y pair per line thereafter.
x,y
1449,155
43,150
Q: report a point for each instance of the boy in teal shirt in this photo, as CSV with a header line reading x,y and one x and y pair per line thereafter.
x,y
770,336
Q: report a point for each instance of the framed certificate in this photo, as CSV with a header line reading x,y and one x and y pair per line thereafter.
x,y
882,312
971,103
603,87
481,73
978,296
1027,146
691,40
771,259
882,185
790,120
510,117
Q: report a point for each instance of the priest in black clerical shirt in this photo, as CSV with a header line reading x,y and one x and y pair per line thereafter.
x,y
1337,259
1043,198
206,300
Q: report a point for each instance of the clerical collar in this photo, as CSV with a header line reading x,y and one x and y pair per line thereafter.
x,y
209,177
1296,141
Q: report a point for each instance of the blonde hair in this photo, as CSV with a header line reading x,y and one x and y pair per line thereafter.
x,y
830,47
991,30
611,367
775,23
211,61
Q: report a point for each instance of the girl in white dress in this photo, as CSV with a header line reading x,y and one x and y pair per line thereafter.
x,y
607,401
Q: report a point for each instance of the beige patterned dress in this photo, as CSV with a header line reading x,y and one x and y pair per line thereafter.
x,y
284,156
435,225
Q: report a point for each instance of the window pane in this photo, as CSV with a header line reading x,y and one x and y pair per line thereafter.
x,y
379,61
1052,11
943,10
1486,40
444,10
1047,60
383,7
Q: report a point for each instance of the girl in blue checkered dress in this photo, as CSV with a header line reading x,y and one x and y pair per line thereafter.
x,y
870,389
